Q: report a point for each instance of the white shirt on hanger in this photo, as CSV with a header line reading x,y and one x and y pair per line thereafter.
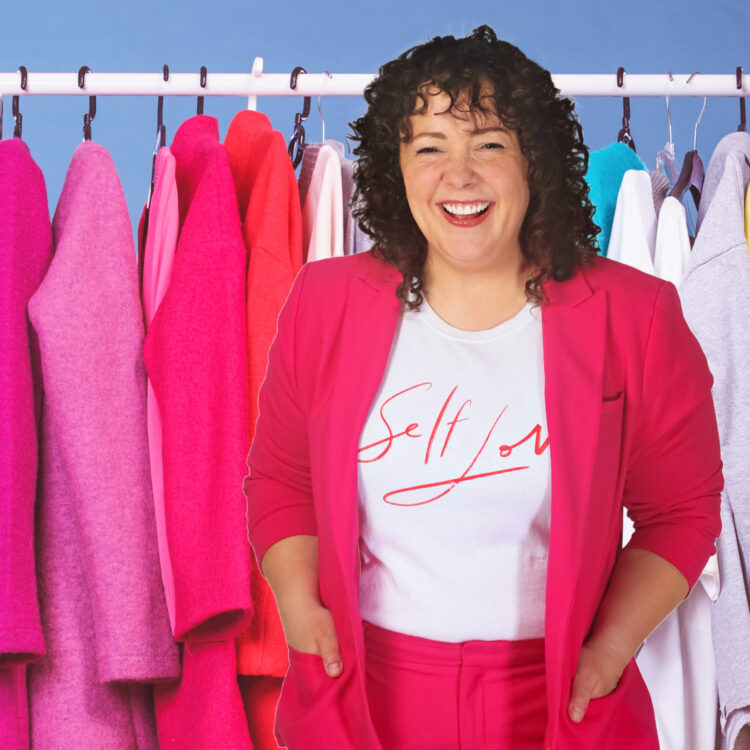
x,y
323,208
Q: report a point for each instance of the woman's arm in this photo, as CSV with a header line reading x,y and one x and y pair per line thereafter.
x,y
672,493
643,590
291,569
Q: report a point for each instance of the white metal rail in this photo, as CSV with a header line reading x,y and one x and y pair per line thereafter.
x,y
344,84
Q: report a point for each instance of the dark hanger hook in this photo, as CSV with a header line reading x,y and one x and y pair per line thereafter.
x,y
15,103
204,77
743,120
298,135
624,135
91,114
160,129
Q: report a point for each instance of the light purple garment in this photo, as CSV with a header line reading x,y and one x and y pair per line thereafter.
x,y
25,253
103,612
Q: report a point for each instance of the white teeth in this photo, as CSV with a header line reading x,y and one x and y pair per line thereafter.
x,y
465,209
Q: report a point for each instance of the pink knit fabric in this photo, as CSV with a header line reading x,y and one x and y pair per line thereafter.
x,y
25,253
102,602
161,243
196,353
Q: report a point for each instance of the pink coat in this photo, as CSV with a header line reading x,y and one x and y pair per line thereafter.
x,y
631,422
196,353
25,254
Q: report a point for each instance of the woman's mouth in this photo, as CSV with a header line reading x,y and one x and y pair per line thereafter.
x,y
466,214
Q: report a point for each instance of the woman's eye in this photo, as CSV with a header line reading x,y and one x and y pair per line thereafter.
x,y
427,150
492,145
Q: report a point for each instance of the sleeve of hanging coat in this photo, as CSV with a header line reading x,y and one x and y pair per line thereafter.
x,y
278,486
674,479
196,352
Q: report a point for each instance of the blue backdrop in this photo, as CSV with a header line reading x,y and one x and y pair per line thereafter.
x,y
351,37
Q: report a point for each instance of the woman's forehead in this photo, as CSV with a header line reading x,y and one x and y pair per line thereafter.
x,y
438,104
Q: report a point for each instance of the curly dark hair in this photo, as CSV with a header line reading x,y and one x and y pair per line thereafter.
x,y
558,232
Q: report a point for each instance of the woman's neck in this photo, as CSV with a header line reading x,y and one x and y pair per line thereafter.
x,y
475,301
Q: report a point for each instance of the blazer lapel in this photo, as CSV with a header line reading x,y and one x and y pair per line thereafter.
x,y
573,330
366,334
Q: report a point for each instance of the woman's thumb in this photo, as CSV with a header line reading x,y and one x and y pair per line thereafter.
x,y
330,653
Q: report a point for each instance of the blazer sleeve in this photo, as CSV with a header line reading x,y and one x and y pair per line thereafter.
x,y
674,479
278,485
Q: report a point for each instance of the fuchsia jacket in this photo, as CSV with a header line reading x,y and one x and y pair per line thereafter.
x,y
631,422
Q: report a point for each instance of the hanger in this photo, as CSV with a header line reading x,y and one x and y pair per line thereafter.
x,y
624,135
665,158
320,112
161,137
298,136
15,109
257,71
204,76
692,173
161,141
89,116
743,124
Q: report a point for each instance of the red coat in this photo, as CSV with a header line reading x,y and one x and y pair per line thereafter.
x,y
268,200
631,422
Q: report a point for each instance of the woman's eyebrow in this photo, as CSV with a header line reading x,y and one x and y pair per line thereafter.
x,y
475,131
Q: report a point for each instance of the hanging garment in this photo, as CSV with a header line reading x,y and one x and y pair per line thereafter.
x,y
672,250
25,253
269,208
633,236
716,296
157,255
355,240
103,612
604,176
196,354
606,329
659,188
268,200
747,217
322,202
347,192
676,660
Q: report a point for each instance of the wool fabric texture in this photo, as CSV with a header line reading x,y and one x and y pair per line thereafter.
x,y
196,358
268,201
25,253
102,602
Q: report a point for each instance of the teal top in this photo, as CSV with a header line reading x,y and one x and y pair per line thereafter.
x,y
606,169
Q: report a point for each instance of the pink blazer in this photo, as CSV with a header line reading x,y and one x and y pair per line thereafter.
x,y
631,422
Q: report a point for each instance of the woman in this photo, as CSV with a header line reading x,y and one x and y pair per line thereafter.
x,y
451,424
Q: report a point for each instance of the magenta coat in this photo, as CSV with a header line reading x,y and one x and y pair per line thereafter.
x,y
631,422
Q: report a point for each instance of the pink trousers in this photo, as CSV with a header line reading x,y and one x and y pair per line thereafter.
x,y
475,695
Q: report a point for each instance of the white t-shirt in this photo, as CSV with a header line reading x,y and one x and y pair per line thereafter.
x,y
454,483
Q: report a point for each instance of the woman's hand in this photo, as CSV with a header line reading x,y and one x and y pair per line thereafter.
x,y
598,672
309,628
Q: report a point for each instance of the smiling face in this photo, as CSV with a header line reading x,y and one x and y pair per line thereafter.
x,y
465,180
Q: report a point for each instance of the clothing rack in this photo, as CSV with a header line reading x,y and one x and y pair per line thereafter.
x,y
346,84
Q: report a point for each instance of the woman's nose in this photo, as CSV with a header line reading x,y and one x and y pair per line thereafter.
x,y
459,172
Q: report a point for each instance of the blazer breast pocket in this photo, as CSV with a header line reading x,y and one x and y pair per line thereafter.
x,y
613,403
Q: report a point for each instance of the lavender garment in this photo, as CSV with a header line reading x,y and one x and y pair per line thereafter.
x,y
715,296
103,611
25,252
